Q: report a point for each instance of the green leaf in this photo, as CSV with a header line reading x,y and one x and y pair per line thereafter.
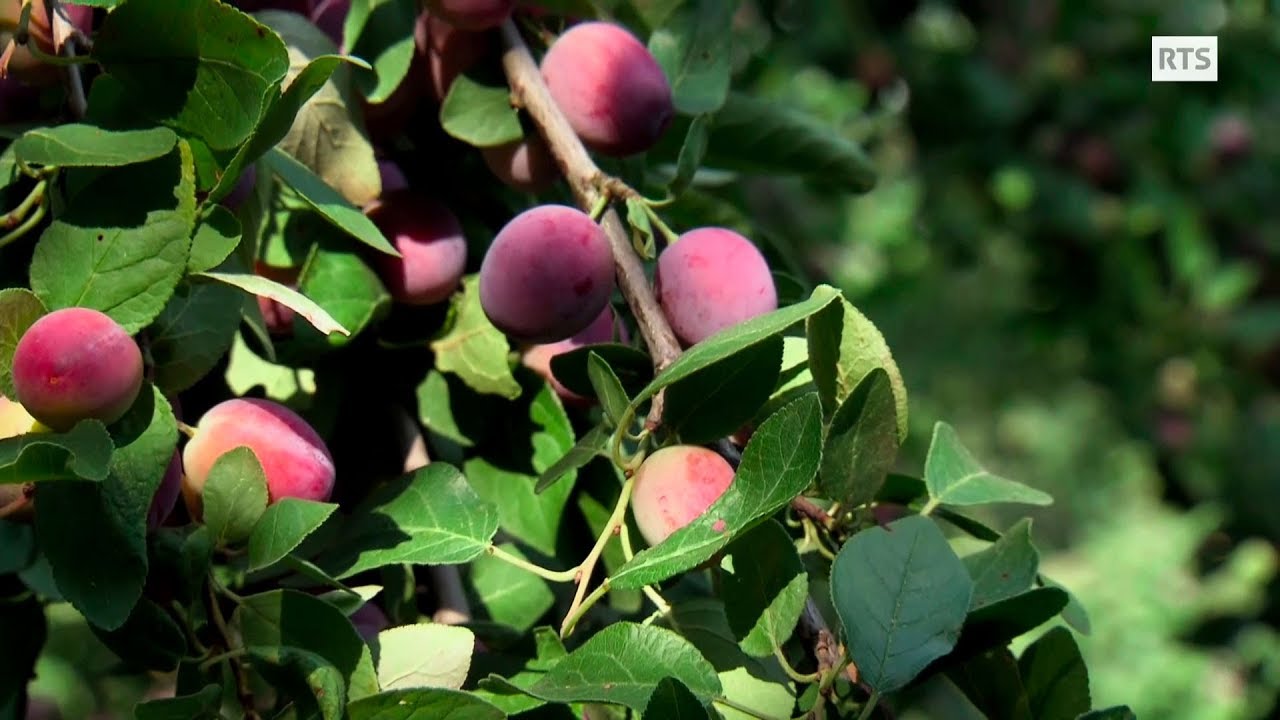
x,y
510,595
327,201
150,639
1074,614
623,664
277,120
589,447
1006,568
201,67
756,135
901,594
954,476
313,684
17,547
429,517
1055,676
996,624
402,664
192,333
632,367
531,517
861,443
342,285
19,309
672,700
182,556
719,399
844,346
295,619
478,111
216,237
778,464
381,30
694,49
423,703
642,237
81,453
290,298
692,151
121,253
770,697
283,527
201,705
472,348
993,684
722,345
235,496
328,133
110,517
435,409
768,586
81,145
613,399
245,371
1119,712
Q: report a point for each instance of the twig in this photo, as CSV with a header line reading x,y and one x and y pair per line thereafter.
x,y
241,676
589,184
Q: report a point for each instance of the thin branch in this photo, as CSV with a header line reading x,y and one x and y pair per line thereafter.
x,y
589,184
238,671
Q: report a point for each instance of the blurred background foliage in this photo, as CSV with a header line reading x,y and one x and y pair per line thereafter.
x,y
1075,267
1078,269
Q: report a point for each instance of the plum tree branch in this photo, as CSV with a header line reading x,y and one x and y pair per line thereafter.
x,y
590,186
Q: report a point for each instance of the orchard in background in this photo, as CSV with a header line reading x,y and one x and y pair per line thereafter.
x,y
448,448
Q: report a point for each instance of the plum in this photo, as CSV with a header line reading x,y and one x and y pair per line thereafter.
x,y
166,497
712,279
294,458
279,318
538,357
472,14
525,164
23,64
609,87
330,16
433,250
369,620
547,275
675,485
76,363
242,190
449,51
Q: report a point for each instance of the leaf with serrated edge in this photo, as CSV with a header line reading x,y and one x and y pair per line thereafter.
x,y
429,517
1055,676
327,201
671,700
694,48
290,298
613,399
423,704
861,443
778,464
902,595
512,596
844,345
81,145
81,453
402,662
234,495
954,476
473,349
1006,568
284,526
769,588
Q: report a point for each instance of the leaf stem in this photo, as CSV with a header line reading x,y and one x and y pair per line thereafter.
x,y
576,613
578,606
220,657
624,537
870,705
930,506
732,705
667,233
26,227
545,574
791,671
597,210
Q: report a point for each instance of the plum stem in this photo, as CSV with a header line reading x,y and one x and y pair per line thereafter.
x,y
733,705
791,671
870,706
585,180
579,605
663,608
545,574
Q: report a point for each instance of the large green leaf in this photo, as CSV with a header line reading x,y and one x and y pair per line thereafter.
x,y
81,453
477,111
778,464
718,400
109,517
954,476
671,700
310,681
694,49
192,333
768,587
418,704
844,345
149,639
1055,676
861,443
265,287
326,200
402,663
199,66
344,287
512,596
234,496
1006,568
295,619
902,595
382,31
429,517
472,348
283,527
121,253
623,664
81,145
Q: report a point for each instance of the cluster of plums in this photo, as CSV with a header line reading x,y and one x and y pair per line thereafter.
x,y
546,281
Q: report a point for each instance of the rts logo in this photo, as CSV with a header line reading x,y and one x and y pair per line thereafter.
x,y
1184,58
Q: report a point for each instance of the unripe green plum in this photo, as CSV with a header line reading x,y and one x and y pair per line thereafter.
x,y
675,485
74,364
293,456
433,250
712,279
547,275
472,14
609,87
538,357
526,164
